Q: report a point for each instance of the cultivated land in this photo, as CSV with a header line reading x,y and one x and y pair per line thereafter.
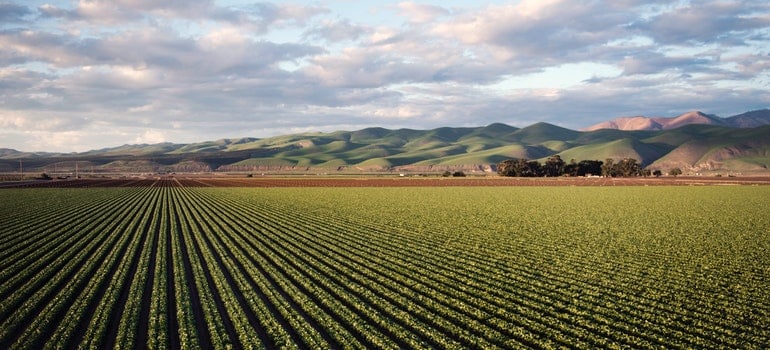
x,y
415,262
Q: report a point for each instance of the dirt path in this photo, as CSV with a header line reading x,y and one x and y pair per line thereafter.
x,y
375,181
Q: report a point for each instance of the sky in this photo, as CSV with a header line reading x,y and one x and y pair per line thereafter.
x,y
90,74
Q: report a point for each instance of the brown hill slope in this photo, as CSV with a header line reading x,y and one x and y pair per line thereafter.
x,y
658,123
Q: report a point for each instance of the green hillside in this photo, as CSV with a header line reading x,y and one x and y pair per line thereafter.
x,y
694,148
543,132
620,148
716,149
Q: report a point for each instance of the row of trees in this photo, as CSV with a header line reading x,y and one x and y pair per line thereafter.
x,y
555,166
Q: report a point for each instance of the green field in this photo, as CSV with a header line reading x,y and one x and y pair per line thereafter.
x,y
442,267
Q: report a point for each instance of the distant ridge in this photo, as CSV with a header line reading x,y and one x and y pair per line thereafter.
x,y
694,141
746,120
751,119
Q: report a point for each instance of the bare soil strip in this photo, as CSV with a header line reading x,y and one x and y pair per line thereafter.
x,y
376,181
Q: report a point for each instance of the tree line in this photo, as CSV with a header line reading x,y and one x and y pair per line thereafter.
x,y
555,166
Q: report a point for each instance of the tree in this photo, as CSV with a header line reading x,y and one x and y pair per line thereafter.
x,y
608,168
657,173
627,167
532,168
675,172
572,168
519,167
589,167
553,166
506,167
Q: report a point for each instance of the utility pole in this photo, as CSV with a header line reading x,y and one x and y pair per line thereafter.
x,y
21,170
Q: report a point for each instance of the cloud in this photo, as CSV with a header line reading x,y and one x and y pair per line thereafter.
x,y
286,13
653,63
536,33
13,13
123,11
336,31
750,65
49,11
15,80
42,122
150,137
730,23
420,13
114,72
257,17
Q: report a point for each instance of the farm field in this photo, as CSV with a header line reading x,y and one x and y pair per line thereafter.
x,y
172,263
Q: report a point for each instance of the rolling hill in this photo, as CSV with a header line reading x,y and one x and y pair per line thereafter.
x,y
694,148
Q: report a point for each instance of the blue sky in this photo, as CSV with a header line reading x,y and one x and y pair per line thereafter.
x,y
81,75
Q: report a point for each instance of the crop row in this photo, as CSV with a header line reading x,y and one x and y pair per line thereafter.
x,y
168,265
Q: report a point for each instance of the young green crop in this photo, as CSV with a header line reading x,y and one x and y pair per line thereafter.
x,y
689,254
452,267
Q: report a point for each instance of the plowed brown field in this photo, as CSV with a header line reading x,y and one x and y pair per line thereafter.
x,y
374,181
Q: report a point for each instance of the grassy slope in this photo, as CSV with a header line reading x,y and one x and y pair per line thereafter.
x,y
688,146
708,148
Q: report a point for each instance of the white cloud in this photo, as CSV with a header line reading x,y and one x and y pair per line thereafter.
x,y
151,136
420,13
13,121
717,21
336,31
225,38
102,73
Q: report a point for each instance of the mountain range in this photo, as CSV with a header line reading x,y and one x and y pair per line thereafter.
x,y
694,142
746,120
